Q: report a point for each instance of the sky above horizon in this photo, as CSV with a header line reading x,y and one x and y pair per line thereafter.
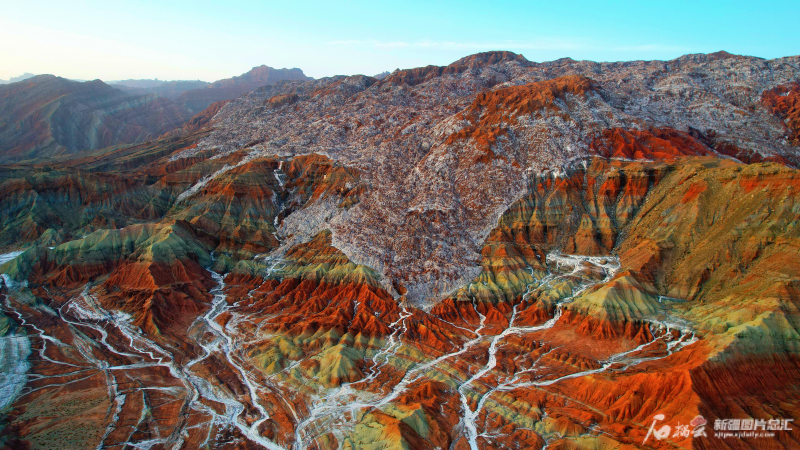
x,y
191,40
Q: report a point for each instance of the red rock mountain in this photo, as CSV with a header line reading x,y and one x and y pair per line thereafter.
x,y
491,254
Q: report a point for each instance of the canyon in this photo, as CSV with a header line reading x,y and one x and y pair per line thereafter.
x,y
491,254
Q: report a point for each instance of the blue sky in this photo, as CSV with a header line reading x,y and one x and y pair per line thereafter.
x,y
208,40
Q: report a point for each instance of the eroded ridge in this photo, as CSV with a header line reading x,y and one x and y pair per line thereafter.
x,y
224,394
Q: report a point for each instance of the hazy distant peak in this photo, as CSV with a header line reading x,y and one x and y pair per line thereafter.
x,y
262,74
138,84
24,76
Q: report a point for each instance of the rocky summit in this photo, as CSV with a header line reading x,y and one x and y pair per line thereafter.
x,y
491,254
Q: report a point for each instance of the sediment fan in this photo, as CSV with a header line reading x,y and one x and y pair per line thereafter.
x,y
491,254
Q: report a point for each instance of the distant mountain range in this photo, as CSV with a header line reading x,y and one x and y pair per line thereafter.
x,y
196,100
169,89
46,115
197,95
24,76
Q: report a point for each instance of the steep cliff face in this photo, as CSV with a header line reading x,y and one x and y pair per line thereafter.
x,y
490,254
48,116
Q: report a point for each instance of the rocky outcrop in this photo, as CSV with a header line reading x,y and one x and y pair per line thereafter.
x,y
661,144
784,102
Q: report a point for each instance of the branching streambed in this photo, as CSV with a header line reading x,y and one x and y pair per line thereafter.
x,y
108,343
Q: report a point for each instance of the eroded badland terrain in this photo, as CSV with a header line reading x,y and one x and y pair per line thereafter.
x,y
491,254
